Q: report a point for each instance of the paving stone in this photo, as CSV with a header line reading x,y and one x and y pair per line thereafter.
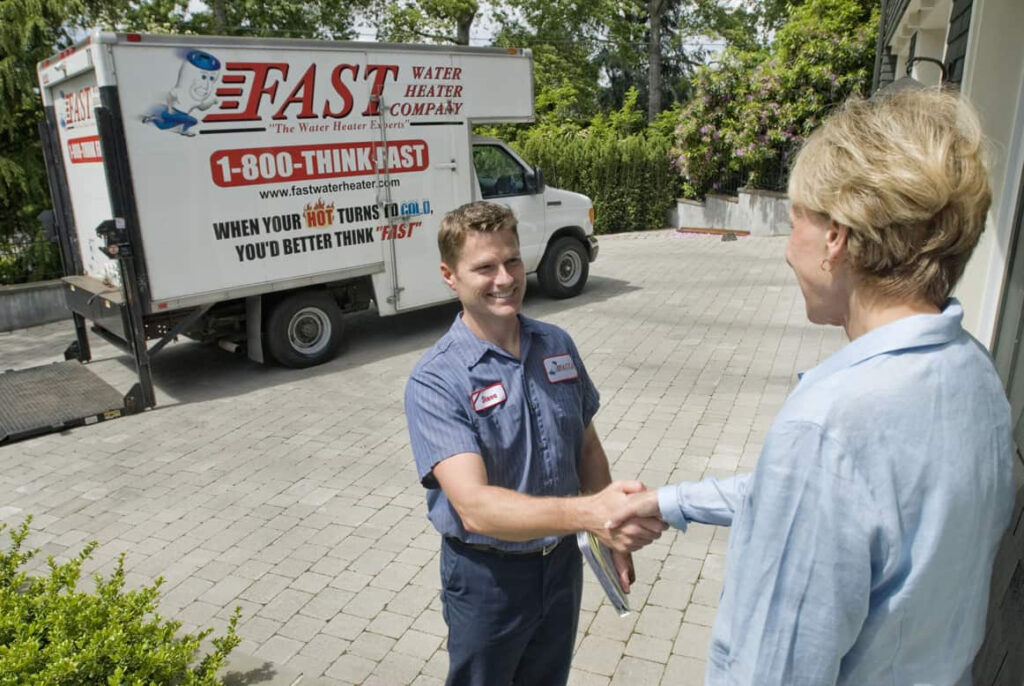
x,y
325,646
659,622
390,624
327,603
279,649
674,595
632,670
351,668
369,602
302,628
396,668
371,646
578,677
692,641
608,624
285,605
346,626
700,614
418,644
431,622
226,590
684,671
599,655
648,648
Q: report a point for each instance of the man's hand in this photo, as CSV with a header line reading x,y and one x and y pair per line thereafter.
x,y
628,534
624,567
638,505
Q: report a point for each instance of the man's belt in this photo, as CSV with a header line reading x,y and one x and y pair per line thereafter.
x,y
536,552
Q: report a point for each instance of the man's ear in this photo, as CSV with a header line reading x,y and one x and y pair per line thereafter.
x,y
448,276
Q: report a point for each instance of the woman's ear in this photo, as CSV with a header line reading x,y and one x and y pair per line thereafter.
x,y
835,240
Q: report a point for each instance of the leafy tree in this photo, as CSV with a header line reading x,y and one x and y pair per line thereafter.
x,y
437,21
30,30
751,112
566,77
655,46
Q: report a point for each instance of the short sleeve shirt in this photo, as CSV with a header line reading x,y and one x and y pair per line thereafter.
x,y
525,417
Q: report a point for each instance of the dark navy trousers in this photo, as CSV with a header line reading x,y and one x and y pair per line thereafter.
x,y
511,619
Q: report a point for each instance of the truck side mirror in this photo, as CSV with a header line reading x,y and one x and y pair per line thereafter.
x,y
535,180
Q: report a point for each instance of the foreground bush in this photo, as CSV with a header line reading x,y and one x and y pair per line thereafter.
x,y
52,633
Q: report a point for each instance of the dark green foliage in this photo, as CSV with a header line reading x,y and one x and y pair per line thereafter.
x,y
53,633
30,30
618,161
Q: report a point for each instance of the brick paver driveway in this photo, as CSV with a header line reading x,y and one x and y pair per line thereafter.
x,y
293,494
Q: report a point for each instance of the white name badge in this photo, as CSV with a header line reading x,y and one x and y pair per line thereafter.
x,y
488,397
560,368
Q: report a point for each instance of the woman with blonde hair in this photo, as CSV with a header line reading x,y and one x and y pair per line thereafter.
x,y
863,541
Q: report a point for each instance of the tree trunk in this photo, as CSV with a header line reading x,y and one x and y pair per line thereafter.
x,y
220,18
655,10
463,23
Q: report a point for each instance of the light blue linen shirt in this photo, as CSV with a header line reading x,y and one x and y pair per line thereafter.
x,y
863,541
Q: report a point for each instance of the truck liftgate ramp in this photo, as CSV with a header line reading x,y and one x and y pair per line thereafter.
x,y
52,398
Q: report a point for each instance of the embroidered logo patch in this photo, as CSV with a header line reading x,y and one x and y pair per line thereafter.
x,y
488,397
560,368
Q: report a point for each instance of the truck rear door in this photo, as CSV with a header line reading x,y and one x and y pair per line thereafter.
x,y
69,86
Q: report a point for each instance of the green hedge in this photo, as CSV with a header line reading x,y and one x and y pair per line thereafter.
x,y
52,633
630,179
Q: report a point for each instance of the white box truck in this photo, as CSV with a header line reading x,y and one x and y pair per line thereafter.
x,y
252,191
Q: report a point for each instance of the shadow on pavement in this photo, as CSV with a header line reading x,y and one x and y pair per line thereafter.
x,y
259,675
193,372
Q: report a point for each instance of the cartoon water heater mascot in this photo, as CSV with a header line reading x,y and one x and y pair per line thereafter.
x,y
197,79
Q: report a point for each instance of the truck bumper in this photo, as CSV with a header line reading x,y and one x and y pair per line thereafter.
x,y
592,247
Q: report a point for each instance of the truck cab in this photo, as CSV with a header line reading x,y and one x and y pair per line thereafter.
x,y
556,227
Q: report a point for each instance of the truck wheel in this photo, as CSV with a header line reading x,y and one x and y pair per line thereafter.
x,y
565,268
304,329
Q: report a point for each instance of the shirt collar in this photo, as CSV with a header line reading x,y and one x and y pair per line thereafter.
x,y
903,334
472,349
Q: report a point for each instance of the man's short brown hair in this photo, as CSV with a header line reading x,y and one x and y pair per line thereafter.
x,y
474,216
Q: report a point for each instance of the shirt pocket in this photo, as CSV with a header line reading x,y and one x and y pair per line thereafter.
x,y
566,401
499,429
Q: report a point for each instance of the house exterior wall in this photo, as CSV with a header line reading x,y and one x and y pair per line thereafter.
x,y
984,57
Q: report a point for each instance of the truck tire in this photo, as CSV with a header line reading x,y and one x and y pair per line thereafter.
x,y
563,271
304,329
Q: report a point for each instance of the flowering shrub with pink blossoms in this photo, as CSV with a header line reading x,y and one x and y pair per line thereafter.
x,y
750,111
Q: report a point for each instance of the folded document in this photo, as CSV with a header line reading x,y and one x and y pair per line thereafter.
x,y
599,557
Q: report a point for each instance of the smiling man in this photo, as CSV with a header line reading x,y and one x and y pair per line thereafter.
x,y
500,415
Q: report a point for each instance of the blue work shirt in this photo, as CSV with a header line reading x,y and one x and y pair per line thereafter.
x,y
863,541
525,417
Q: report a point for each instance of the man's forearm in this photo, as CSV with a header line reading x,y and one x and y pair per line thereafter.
x,y
511,516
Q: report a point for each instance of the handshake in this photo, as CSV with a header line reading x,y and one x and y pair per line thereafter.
x,y
625,516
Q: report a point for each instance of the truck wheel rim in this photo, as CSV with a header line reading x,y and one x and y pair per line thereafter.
x,y
569,267
309,331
